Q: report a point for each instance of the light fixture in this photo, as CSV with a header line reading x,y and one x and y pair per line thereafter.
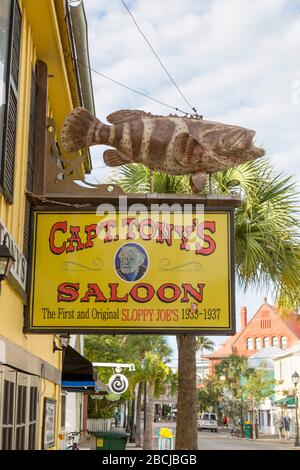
x,y
64,342
295,378
6,259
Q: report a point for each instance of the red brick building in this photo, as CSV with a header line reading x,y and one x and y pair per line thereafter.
x,y
266,328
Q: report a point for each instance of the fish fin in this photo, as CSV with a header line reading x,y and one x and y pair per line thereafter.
x,y
115,158
198,182
76,133
128,114
189,152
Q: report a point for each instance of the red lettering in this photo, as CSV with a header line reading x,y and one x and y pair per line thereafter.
x,y
150,234
211,244
179,229
161,293
164,233
149,292
189,289
107,227
92,232
130,221
74,238
114,294
93,291
58,226
67,292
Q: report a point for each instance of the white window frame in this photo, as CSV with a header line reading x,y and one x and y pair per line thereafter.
x,y
19,379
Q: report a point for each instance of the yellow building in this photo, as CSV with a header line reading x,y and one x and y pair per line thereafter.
x,y
39,80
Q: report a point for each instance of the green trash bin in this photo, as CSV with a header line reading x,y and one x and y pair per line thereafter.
x,y
110,440
248,430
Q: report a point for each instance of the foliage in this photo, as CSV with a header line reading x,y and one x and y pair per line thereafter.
x,y
153,370
266,224
104,348
204,344
266,229
135,178
243,386
104,408
259,386
230,370
210,395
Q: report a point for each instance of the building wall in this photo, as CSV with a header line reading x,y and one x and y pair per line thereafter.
x,y
284,366
265,324
32,354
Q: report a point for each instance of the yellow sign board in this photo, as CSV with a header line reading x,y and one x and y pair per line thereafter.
x,y
126,272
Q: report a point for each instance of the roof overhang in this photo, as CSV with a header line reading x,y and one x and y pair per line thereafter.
x,y
78,374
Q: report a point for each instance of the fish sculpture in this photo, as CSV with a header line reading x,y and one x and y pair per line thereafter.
x,y
172,144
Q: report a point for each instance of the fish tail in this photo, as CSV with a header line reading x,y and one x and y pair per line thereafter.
x,y
81,129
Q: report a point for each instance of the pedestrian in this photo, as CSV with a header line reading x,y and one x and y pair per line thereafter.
x,y
279,425
287,426
225,422
117,418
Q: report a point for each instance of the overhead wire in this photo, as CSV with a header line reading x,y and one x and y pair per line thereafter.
x,y
132,89
158,58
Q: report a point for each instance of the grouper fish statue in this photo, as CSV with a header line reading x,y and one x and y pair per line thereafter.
x,y
172,144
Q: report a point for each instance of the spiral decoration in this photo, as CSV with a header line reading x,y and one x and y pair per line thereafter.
x,y
118,383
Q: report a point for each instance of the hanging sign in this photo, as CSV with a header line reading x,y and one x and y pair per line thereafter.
x,y
132,272
118,383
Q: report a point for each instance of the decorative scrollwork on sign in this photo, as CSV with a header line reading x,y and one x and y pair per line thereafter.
x,y
118,383
166,265
72,266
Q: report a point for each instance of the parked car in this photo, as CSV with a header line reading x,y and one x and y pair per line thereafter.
x,y
207,421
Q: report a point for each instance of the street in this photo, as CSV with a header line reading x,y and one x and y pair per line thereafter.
x,y
222,440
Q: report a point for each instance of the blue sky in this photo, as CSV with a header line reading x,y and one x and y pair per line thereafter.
x,y
235,61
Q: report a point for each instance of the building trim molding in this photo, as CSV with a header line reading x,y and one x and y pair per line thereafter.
x,y
17,357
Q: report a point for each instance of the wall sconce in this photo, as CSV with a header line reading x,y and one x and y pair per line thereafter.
x,y
64,342
6,260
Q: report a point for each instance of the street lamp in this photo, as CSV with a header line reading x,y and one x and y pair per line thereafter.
x,y
6,260
295,379
64,343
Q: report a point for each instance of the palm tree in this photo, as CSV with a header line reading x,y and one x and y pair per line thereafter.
x,y
204,344
135,349
266,245
155,372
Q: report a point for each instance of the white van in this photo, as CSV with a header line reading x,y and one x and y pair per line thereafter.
x,y
207,421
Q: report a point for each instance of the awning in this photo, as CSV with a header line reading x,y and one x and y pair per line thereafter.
x,y
78,374
289,402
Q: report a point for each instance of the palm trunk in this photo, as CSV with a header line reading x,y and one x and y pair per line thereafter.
x,y
149,431
138,435
186,427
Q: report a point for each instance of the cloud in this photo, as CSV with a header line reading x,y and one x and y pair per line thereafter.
x,y
235,61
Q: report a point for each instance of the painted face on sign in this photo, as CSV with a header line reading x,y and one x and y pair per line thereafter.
x,y
130,259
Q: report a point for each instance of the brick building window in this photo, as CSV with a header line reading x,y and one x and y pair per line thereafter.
x,y
249,344
257,343
275,341
266,342
283,342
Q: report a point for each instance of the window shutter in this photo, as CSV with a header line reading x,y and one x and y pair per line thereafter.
x,y
30,164
10,120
